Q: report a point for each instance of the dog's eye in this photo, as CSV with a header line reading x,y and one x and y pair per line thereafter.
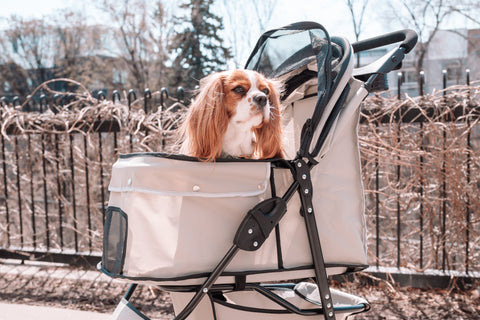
x,y
240,90
266,91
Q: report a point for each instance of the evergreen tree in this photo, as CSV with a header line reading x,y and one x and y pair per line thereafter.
x,y
198,47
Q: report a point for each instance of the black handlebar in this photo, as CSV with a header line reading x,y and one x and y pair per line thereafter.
x,y
408,37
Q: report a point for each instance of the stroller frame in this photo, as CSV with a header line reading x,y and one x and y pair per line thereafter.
x,y
263,218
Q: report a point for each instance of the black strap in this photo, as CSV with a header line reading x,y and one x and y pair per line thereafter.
x,y
240,282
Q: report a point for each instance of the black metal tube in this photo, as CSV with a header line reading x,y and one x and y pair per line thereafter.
x,y
163,97
32,196
422,83
74,202
102,188
377,210
87,183
469,210
5,189
19,196
59,190
130,291
444,81
399,85
132,96
444,200
208,283
399,221
421,194
45,197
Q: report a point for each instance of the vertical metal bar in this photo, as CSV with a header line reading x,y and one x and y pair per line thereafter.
x,y
45,197
5,189
132,96
115,143
59,190
444,182
147,95
399,222
74,202
399,85
422,83
468,213
163,97
102,191
87,183
422,164
32,196
20,215
115,97
377,210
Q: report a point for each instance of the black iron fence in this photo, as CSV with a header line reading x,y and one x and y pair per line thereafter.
x,y
420,164
56,159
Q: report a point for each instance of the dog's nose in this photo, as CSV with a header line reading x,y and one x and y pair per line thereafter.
x,y
260,100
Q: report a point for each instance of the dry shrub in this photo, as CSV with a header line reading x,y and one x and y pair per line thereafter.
x,y
420,167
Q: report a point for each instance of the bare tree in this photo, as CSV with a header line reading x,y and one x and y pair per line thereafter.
x,y
27,48
79,54
427,18
140,40
357,18
243,28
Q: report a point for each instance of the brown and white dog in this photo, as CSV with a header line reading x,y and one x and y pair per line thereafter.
x,y
237,114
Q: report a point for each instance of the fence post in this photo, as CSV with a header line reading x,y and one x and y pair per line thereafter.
x,y
468,213
132,96
5,189
399,85
444,172
422,83
163,97
146,95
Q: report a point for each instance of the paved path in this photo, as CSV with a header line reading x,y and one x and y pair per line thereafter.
x,y
10,311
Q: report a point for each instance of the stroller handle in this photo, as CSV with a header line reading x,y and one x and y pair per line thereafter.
x,y
407,36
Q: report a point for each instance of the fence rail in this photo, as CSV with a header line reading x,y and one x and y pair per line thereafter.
x,y
420,160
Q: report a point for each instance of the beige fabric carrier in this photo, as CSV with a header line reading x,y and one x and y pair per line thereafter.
x,y
235,238
175,219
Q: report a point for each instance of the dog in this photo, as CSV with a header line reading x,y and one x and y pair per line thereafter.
x,y
235,114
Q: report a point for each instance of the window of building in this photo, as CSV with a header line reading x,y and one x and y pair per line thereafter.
x,y
454,72
409,76
119,76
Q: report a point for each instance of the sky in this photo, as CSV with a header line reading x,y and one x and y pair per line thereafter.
x,y
332,14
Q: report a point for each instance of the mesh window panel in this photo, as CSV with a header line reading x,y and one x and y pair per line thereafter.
x,y
114,240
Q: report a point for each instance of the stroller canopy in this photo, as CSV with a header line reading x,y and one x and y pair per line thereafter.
x,y
298,54
295,53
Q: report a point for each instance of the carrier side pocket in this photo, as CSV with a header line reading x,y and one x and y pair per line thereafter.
x,y
114,240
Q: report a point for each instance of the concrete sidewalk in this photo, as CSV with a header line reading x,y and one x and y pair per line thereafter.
x,y
24,287
9,311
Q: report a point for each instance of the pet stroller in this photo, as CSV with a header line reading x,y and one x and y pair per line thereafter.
x,y
238,238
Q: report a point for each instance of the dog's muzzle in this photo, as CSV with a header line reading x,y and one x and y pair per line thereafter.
x,y
260,100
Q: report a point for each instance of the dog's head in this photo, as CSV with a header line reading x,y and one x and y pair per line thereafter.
x,y
236,112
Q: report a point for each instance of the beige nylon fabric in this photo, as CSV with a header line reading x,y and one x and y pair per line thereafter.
x,y
183,215
256,300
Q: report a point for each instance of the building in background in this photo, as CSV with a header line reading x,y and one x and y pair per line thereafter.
x,y
454,51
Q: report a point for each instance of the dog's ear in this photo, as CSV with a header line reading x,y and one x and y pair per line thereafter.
x,y
269,133
207,119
